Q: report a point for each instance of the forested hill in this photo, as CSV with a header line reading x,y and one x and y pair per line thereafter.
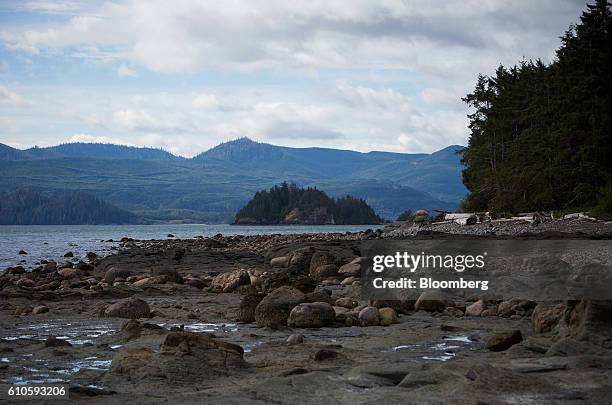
x,y
541,135
291,205
27,207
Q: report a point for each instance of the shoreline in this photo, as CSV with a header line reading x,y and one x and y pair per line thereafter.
x,y
209,294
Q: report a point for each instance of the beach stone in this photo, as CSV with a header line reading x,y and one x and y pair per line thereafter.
x,y
171,274
280,262
295,338
195,282
131,329
325,354
421,216
348,281
501,341
591,321
132,308
369,316
68,273
489,312
69,254
23,252
275,308
432,301
322,295
346,302
321,258
114,273
25,283
545,317
324,271
15,270
91,255
351,269
50,267
246,310
311,315
52,341
40,309
150,281
475,309
300,259
388,316
228,282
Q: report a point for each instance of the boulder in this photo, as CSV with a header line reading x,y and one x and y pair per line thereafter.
x,y
351,269
421,216
322,295
185,358
229,281
388,316
591,321
501,341
369,316
131,329
114,273
246,311
300,259
475,309
348,281
68,273
132,308
280,262
170,273
320,258
546,316
294,339
40,309
346,302
274,309
150,281
311,315
25,283
432,301
324,271
52,341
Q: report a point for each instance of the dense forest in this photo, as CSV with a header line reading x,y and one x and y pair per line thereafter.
x,y
541,135
28,207
289,204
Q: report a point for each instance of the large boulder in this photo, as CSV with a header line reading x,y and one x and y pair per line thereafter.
x,y
116,272
300,259
132,308
369,316
274,309
501,341
228,282
281,261
432,301
476,308
388,316
184,358
591,321
246,311
311,315
321,258
324,271
546,316
352,269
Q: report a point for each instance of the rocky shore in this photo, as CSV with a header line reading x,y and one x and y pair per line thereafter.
x,y
279,319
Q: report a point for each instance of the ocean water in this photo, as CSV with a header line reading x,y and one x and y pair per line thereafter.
x,y
51,242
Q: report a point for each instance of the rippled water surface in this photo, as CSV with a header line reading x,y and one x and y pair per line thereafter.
x,y
51,242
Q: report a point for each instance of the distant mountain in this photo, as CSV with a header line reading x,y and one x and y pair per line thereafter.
x,y
215,184
28,207
92,150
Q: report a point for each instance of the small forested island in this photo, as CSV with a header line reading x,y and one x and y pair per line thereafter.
x,y
288,204
31,207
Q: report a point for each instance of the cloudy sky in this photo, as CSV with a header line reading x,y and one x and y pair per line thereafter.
x,y
186,75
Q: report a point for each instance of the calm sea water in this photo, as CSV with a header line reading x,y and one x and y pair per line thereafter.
x,y
51,242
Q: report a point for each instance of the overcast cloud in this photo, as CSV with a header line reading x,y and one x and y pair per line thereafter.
x,y
186,74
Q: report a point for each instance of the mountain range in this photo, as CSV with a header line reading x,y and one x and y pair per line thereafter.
x,y
214,185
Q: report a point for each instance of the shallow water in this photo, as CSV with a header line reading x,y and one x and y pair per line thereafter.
x,y
51,242
438,351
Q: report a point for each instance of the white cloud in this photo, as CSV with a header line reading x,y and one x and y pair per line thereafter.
x,y
206,101
8,97
87,138
124,71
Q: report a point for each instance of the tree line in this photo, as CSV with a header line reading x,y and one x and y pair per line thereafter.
x,y
272,206
30,207
541,134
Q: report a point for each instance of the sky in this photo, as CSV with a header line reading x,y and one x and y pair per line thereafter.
x,y
186,75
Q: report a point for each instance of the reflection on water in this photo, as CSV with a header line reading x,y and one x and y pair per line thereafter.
x,y
441,351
